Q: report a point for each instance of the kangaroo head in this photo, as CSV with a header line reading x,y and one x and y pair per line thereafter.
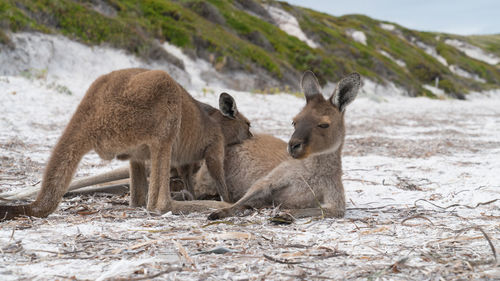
x,y
319,127
235,126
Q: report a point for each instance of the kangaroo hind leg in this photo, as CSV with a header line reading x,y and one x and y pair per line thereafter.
x,y
138,183
159,198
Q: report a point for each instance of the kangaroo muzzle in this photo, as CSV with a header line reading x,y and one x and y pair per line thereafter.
x,y
296,148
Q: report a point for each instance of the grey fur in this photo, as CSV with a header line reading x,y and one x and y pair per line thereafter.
x,y
310,85
227,105
311,184
346,91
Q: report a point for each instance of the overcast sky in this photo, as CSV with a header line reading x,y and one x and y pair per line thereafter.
x,y
450,16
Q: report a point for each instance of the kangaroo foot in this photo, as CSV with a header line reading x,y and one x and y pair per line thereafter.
x,y
220,214
136,203
9,212
151,207
337,213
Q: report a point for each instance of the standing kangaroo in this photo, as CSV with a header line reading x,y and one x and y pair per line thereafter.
x,y
140,114
310,184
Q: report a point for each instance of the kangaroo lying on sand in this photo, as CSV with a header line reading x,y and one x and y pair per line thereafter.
x,y
310,184
140,114
244,164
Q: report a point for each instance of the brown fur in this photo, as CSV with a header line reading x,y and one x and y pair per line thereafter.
x,y
186,176
140,114
310,184
244,164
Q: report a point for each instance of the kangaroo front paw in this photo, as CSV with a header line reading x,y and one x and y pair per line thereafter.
x,y
220,214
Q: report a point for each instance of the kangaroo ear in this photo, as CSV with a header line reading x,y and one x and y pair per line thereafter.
x,y
346,91
310,85
227,106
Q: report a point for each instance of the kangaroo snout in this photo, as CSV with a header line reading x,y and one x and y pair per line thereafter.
x,y
296,148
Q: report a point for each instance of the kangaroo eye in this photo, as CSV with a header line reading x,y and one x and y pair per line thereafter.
x,y
324,126
249,125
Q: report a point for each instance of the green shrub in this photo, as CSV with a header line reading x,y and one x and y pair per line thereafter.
x,y
137,24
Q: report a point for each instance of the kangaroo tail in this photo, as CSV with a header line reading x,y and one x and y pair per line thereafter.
x,y
117,174
10,212
58,173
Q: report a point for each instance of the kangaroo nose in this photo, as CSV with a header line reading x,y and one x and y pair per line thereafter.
x,y
294,146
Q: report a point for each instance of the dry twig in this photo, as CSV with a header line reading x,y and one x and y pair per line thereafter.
x,y
415,217
315,197
456,205
283,261
184,253
149,277
461,231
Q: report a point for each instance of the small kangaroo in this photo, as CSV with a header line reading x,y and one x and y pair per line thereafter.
x,y
141,114
310,184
